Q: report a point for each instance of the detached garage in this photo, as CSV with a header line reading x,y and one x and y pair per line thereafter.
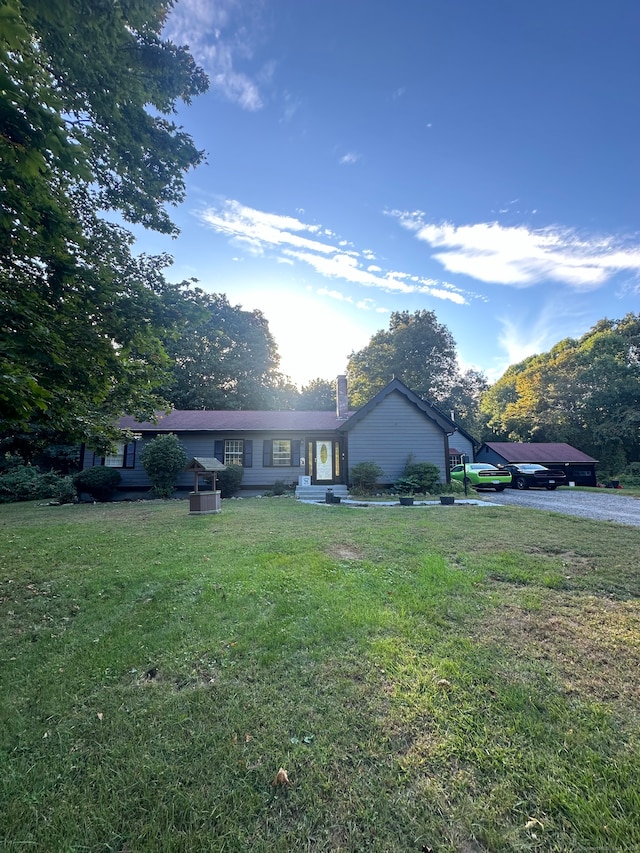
x,y
579,468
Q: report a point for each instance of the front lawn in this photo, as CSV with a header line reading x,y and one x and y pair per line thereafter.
x,y
449,679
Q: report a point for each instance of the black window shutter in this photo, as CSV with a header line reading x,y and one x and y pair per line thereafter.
x,y
218,450
295,452
247,460
267,453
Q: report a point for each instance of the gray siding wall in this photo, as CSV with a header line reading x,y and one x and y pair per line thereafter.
x,y
464,445
203,444
490,456
393,430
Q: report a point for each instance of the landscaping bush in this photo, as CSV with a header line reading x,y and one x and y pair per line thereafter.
x,y
99,482
364,477
163,458
25,483
228,481
64,491
280,488
425,476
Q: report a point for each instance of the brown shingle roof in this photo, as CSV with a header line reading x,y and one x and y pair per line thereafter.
x,y
539,452
235,421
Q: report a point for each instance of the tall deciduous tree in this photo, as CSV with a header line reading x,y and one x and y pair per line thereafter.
x,y
585,392
415,348
463,402
86,94
318,395
225,358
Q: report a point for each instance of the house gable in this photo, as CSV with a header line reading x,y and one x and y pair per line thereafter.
x,y
395,426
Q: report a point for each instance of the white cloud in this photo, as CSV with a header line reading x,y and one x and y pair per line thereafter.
x,y
206,27
349,158
290,239
522,257
334,294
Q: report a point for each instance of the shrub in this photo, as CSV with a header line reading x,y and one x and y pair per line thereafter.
x,y
64,490
24,483
228,481
163,458
407,485
364,477
280,488
631,475
425,475
99,482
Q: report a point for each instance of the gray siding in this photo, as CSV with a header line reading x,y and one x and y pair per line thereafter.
x,y
203,444
464,445
486,454
391,432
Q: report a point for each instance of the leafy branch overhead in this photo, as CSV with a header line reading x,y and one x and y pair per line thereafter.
x,y
87,92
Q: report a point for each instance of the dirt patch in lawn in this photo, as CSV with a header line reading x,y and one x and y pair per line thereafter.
x,y
345,552
592,642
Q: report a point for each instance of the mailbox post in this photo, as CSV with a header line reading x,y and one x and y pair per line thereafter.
x,y
465,459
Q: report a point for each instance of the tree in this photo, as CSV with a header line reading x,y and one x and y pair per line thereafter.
x,y
163,458
85,91
584,392
224,357
319,395
415,349
464,399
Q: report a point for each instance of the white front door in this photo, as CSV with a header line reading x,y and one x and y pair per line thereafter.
x,y
323,461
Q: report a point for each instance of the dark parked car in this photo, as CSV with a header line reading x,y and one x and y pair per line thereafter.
x,y
526,475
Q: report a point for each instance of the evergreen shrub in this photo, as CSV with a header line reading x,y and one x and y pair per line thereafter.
x,y
228,481
163,458
99,482
364,477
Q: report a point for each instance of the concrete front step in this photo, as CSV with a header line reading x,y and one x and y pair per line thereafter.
x,y
318,493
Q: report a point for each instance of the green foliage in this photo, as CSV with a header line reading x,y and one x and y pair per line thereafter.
x,y
223,357
631,475
584,392
163,458
319,395
425,474
229,480
364,477
64,490
407,485
86,90
100,482
280,488
416,349
26,483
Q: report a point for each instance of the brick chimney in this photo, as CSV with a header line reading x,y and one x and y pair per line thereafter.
x,y
342,399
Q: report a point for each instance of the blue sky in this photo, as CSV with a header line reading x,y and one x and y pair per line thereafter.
x,y
477,159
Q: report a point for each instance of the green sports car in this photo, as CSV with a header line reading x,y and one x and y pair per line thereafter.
x,y
482,476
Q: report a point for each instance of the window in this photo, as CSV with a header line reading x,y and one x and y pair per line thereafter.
x,y
233,451
454,459
123,457
281,452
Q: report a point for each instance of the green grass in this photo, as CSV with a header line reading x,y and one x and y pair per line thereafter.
x,y
454,679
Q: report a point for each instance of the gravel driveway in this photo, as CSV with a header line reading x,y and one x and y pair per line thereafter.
x,y
600,506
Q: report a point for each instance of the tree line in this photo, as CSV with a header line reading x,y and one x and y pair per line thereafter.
x,y
90,331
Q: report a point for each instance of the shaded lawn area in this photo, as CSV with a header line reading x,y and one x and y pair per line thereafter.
x,y
446,679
